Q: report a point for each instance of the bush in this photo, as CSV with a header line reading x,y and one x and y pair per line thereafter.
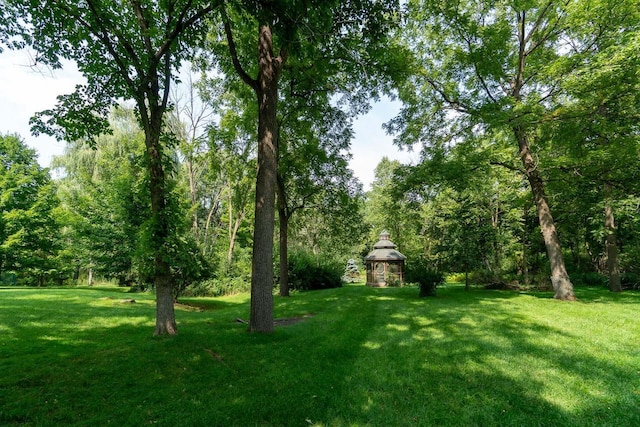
x,y
428,279
630,281
589,279
217,287
308,272
456,277
351,272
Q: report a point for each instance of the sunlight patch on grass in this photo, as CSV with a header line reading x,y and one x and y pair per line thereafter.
x,y
51,338
396,327
366,358
372,345
107,322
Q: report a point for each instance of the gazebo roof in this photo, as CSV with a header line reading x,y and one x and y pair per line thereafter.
x,y
384,250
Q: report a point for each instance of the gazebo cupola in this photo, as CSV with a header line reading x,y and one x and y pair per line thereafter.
x,y
385,265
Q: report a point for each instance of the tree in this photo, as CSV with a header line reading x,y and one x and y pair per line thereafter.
x,y
27,221
303,31
466,211
312,167
233,159
489,69
351,272
599,121
188,122
388,209
127,50
104,200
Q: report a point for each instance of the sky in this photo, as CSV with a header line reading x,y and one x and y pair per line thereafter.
x,y
25,91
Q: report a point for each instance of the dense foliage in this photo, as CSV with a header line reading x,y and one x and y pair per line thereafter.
x,y
518,109
28,212
309,272
420,272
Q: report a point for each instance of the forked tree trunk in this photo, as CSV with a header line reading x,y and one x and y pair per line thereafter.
x,y
611,244
562,285
261,316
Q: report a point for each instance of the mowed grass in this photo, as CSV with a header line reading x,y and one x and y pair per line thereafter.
x,y
361,357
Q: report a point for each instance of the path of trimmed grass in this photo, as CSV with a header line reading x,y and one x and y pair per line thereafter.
x,y
360,357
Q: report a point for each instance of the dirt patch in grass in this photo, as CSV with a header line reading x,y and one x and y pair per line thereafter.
x,y
291,320
189,307
285,321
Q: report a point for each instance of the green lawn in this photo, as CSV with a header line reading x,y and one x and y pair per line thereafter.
x,y
362,357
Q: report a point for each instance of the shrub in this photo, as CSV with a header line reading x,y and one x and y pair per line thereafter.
x,y
217,287
351,272
309,272
589,279
456,277
630,281
428,279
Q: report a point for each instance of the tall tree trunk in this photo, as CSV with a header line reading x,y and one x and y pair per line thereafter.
x,y
232,239
194,198
207,225
611,244
525,263
165,315
525,258
284,252
284,238
90,273
261,316
559,278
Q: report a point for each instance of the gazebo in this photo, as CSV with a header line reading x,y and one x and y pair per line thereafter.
x,y
385,265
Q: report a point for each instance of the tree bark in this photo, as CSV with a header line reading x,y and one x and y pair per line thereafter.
x,y
559,278
163,282
283,216
194,198
232,238
261,316
611,244
284,252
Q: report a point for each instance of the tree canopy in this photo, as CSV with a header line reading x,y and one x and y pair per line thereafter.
x,y
28,226
525,115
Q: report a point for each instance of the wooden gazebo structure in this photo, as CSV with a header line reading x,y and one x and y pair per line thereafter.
x,y
385,265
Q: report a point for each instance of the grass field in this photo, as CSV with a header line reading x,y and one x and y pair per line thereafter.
x,y
360,357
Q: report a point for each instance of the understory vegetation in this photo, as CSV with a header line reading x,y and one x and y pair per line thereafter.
x,y
347,356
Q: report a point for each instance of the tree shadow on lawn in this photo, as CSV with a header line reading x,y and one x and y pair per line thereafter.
x,y
485,363
400,360
392,360
603,295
